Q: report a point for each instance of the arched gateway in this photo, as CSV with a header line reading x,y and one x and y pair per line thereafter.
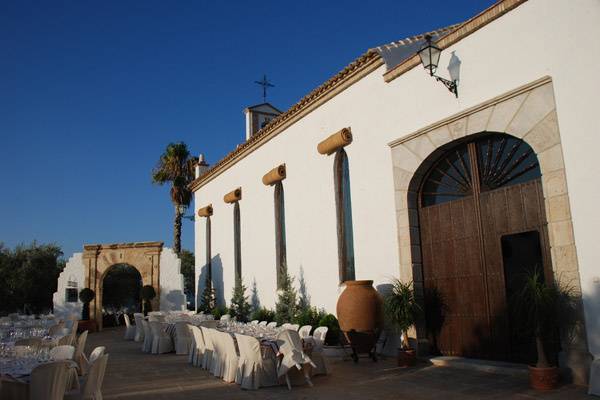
x,y
158,266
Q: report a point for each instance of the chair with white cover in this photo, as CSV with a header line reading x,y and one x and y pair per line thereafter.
x,y
182,338
229,357
262,323
139,329
272,324
156,318
304,332
94,355
199,347
218,358
254,371
55,330
225,317
294,327
65,340
254,322
161,341
48,382
78,357
147,344
286,325
65,352
293,356
212,324
317,341
129,329
208,350
33,342
92,384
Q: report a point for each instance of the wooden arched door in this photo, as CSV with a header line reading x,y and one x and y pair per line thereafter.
x,y
482,223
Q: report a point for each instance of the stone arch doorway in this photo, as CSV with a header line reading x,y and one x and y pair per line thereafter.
x,y
529,113
121,285
482,226
98,259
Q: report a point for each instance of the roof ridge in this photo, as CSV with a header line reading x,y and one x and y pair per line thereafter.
x,y
421,36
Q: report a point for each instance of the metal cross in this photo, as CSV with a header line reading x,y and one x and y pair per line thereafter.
x,y
265,84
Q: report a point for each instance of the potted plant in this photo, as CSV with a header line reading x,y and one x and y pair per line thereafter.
x,y
148,294
547,308
402,310
86,296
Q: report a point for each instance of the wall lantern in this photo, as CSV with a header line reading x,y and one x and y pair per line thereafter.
x,y
430,57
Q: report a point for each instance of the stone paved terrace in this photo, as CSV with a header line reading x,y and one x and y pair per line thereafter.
x,y
132,374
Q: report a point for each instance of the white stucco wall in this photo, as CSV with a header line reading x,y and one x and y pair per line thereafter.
x,y
172,296
74,271
539,38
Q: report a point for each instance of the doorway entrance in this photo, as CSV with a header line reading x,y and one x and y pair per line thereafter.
x,y
121,287
472,202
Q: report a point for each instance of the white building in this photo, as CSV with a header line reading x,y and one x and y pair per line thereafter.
x,y
525,70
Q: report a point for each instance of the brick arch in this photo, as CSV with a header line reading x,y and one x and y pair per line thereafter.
x,y
99,258
528,113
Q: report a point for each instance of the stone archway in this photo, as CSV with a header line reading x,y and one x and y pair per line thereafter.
x,y
99,258
528,113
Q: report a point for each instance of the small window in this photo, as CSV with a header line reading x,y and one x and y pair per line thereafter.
x,y
71,295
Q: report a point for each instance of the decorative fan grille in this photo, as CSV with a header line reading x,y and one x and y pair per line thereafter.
x,y
505,160
501,160
449,179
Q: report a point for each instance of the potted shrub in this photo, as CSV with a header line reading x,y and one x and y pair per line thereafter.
x,y
402,311
547,308
148,294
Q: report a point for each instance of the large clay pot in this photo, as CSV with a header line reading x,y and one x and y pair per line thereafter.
x,y
360,307
543,378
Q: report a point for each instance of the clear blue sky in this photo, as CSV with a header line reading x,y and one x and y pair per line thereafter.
x,y
92,92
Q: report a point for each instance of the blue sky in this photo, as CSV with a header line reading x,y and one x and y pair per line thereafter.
x,y
92,92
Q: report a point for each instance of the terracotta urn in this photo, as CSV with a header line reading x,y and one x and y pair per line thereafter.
x,y
360,307
543,378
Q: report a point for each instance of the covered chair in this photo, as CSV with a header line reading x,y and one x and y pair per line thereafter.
x,y
33,342
294,327
147,345
183,338
65,352
161,341
198,346
254,322
304,332
94,355
48,382
209,349
129,329
293,355
262,323
317,341
229,357
78,356
92,384
272,324
254,371
209,324
55,330
139,329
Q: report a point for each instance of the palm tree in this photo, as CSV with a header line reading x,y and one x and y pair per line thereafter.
x,y
176,165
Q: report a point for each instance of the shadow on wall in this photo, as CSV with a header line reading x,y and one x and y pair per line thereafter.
x,y
389,340
217,280
175,301
254,299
